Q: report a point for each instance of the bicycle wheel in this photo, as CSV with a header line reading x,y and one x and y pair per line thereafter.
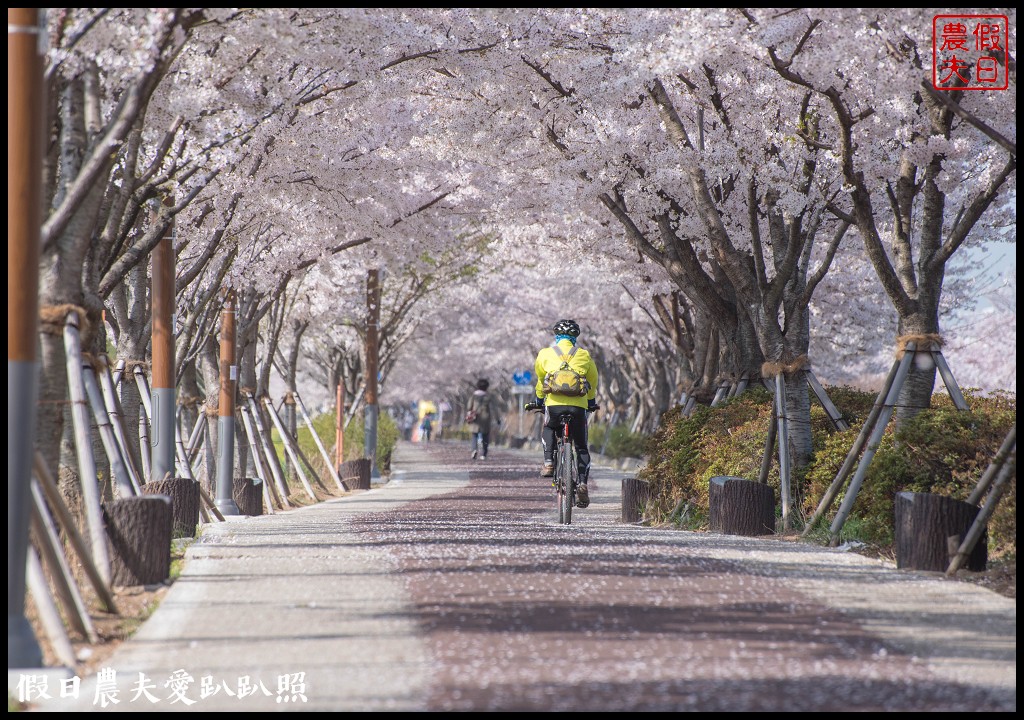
x,y
565,483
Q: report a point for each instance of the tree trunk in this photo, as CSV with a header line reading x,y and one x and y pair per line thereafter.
x,y
635,494
184,495
139,530
929,530
917,390
248,496
356,473
737,506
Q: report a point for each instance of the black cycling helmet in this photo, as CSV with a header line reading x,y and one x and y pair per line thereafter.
x,y
566,327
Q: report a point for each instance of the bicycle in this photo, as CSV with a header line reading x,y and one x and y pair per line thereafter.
x,y
567,469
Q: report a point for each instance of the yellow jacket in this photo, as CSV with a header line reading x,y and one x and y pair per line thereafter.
x,y
548,361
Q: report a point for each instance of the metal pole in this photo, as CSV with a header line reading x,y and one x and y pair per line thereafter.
x,y
24,220
226,409
162,400
372,357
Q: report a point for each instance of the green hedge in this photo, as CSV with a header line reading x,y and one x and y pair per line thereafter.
x,y
616,441
942,450
387,438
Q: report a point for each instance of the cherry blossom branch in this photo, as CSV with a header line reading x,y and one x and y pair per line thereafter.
x,y
974,120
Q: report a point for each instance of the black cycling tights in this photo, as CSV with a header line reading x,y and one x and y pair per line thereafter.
x,y
577,429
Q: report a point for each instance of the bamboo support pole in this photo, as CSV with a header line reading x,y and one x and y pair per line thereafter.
x,y
978,526
884,415
949,381
1009,444
119,470
831,411
52,552
269,453
147,468
851,457
67,524
108,386
118,372
210,503
83,448
319,443
286,440
257,458
783,422
769,446
49,615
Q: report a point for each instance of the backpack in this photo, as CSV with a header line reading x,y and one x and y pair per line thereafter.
x,y
565,380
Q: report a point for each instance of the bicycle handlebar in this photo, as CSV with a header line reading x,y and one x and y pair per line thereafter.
x,y
538,407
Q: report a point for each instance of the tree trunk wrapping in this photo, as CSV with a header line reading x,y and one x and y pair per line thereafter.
x,y
737,506
635,494
139,532
356,473
248,495
924,524
184,495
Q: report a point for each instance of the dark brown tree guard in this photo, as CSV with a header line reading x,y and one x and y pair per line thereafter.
x,y
924,525
635,494
737,506
248,495
184,495
356,473
139,533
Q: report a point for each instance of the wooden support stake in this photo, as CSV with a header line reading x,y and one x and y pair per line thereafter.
x,y
45,480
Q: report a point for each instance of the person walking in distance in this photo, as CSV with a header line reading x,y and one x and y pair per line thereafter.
x,y
564,358
480,413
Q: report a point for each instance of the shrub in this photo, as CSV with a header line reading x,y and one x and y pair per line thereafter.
x,y
616,441
941,450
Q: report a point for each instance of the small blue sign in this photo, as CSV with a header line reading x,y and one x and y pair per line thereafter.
x,y
522,377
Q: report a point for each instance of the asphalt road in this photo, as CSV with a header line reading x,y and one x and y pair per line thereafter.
x,y
452,588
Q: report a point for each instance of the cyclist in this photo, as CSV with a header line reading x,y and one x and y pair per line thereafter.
x,y
549,361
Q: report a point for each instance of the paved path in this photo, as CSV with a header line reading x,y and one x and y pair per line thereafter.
x,y
453,588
